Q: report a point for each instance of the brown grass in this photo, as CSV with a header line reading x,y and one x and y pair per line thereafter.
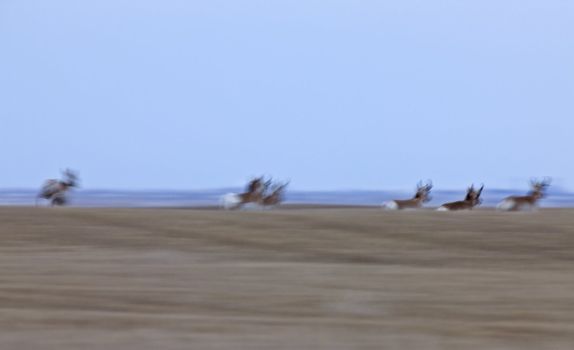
x,y
285,279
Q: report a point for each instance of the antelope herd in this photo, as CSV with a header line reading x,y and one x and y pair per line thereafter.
x,y
265,194
262,193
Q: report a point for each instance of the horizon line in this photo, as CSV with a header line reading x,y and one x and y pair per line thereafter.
x,y
215,189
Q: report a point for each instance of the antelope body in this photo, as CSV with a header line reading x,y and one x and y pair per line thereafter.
x,y
422,195
252,194
471,200
529,201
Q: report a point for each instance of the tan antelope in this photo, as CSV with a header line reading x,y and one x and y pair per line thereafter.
x,y
422,195
55,190
471,200
275,196
253,194
530,201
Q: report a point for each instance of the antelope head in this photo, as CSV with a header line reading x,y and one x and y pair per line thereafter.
x,y
473,196
539,187
255,185
423,191
70,178
279,190
267,185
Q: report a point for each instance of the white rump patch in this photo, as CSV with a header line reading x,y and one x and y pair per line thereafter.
x,y
442,208
507,204
230,201
392,205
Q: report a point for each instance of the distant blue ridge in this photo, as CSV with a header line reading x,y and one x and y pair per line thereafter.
x,y
175,198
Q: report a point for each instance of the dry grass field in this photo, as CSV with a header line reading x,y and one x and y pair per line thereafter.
x,y
285,279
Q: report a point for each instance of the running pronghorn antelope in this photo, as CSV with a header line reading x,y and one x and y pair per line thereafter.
x,y
252,194
516,203
55,190
471,200
276,196
422,195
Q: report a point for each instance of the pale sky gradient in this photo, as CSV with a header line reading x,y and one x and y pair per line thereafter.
x,y
355,94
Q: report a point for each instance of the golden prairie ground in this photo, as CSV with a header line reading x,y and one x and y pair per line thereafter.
x,y
285,279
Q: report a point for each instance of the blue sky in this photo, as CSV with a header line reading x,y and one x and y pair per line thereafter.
x,y
354,94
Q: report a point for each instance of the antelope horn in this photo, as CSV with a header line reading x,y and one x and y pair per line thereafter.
x,y
480,191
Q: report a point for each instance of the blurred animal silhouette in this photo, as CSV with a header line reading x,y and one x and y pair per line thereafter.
x,y
258,191
253,194
471,200
528,202
55,191
422,195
